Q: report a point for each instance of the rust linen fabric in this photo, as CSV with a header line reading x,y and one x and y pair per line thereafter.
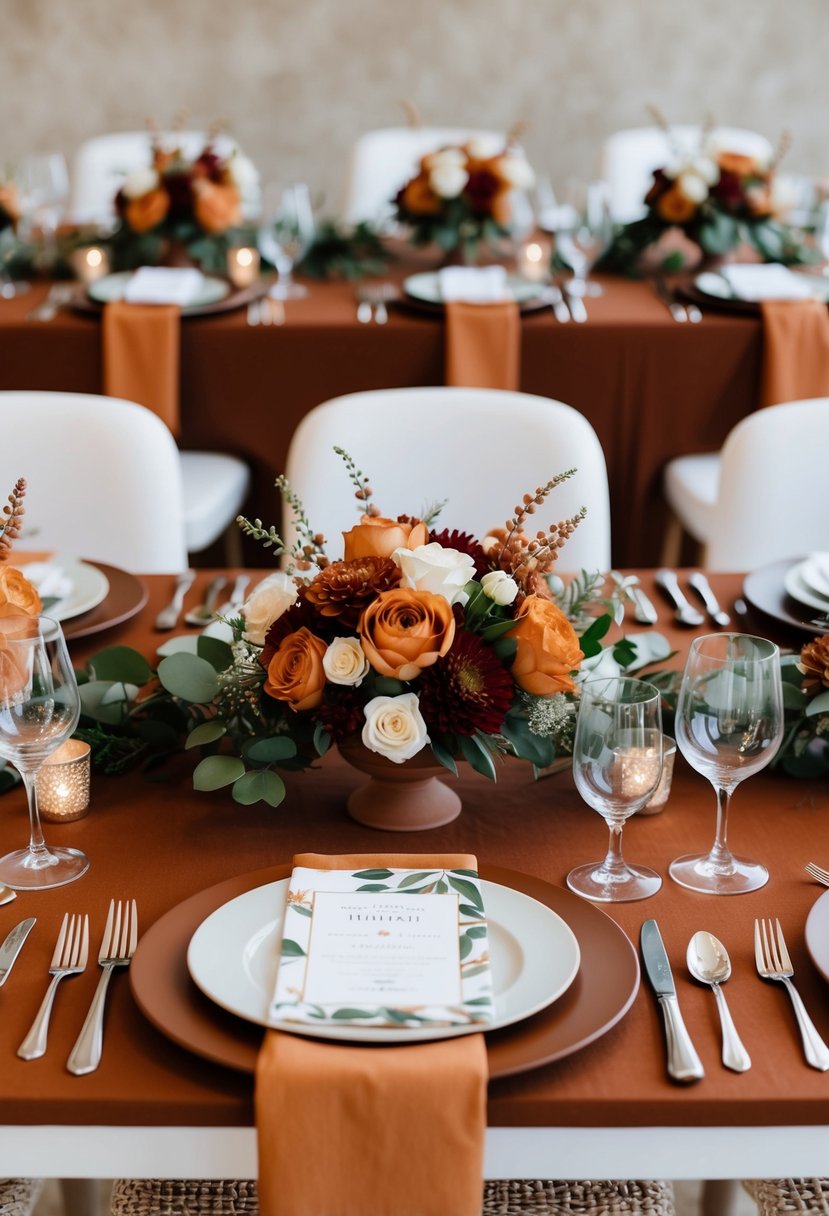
x,y
483,345
392,1131
141,357
795,351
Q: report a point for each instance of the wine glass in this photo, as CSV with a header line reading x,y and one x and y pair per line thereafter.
x,y
617,763
286,234
729,723
39,710
585,232
44,188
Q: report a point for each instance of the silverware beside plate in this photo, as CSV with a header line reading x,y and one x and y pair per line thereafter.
x,y
13,945
683,1062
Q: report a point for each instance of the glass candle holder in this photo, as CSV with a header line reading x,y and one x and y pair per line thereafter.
x,y
533,260
660,795
63,783
243,266
90,264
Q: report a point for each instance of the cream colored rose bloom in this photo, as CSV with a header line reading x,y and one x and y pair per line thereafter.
x,y
516,170
433,568
394,727
499,587
243,173
482,147
448,181
266,604
140,181
692,186
344,662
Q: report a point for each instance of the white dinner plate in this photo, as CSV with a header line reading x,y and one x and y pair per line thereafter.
x,y
90,587
712,284
815,573
426,287
112,287
233,958
799,590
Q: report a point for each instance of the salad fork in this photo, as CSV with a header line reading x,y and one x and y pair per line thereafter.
x,y
117,948
70,957
774,963
817,872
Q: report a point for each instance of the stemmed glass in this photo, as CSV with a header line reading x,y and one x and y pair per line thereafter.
x,y
729,724
585,232
617,763
285,234
44,189
39,710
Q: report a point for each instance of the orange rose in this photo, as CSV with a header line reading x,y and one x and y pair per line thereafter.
x,y
403,631
14,665
147,211
675,207
418,197
548,649
9,202
739,163
17,593
295,671
216,207
376,536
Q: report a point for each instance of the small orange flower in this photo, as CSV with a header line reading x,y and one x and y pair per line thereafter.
x,y
418,197
216,207
675,207
739,163
376,536
548,649
147,211
17,594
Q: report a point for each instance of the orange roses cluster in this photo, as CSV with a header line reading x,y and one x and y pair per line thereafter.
x,y
175,191
733,182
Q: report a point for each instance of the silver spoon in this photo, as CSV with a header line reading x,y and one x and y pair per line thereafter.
x,y
685,614
7,895
700,583
204,613
709,963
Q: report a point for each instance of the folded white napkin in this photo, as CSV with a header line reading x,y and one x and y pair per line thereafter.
x,y
750,281
816,572
474,284
52,582
163,285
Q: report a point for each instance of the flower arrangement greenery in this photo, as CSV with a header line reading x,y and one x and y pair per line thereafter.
x,y
345,253
804,751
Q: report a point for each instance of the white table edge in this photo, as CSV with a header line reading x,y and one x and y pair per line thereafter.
x,y
74,1151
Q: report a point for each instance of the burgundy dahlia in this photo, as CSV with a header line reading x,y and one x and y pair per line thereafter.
x,y
468,690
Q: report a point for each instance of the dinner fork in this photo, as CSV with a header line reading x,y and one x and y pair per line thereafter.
x,y
71,954
817,872
117,948
59,295
774,963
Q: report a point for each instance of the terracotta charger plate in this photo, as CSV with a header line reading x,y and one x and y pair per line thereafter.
x,y
600,996
236,298
764,590
126,597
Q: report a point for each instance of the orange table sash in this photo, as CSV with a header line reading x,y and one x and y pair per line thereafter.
x,y
141,357
795,351
483,345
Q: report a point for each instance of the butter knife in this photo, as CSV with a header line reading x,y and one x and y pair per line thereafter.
x,y
683,1062
13,945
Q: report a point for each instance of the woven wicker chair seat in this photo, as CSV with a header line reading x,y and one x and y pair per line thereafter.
x,y
782,1195
18,1196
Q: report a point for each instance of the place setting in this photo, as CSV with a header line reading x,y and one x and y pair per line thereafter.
x,y
794,592
86,597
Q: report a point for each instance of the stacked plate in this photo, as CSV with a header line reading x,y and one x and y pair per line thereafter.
x,y
807,582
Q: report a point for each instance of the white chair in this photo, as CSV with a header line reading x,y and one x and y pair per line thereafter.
x,y
101,164
382,161
479,449
629,157
764,497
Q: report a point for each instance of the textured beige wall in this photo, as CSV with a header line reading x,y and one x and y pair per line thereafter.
x,y
298,80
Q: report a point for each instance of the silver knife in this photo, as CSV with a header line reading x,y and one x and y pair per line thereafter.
x,y
683,1062
13,945
576,304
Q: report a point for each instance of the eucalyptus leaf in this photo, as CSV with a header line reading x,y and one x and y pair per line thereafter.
x,y
410,879
262,785
216,651
322,739
208,732
476,931
506,649
214,772
121,663
465,947
346,1014
270,750
189,677
818,705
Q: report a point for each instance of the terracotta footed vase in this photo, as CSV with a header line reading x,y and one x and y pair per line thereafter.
x,y
407,797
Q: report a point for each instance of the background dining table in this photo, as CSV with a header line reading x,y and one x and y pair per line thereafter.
x,y
155,1108
652,389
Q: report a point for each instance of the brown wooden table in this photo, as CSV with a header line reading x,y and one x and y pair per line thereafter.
x,y
155,1109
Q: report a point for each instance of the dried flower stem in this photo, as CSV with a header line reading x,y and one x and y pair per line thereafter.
x,y
530,502
362,489
13,512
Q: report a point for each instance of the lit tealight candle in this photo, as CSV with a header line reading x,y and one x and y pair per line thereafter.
x,y
660,795
533,261
639,770
90,264
243,266
63,783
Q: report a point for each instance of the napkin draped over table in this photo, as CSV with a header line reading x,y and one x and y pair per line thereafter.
x,y
483,328
141,357
370,1130
795,350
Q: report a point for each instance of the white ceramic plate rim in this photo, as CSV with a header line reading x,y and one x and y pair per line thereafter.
x,y
813,577
232,958
797,589
112,287
712,284
426,287
90,586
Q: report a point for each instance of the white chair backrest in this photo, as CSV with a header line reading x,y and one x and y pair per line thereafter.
x,y
773,499
382,161
103,476
479,450
629,158
101,164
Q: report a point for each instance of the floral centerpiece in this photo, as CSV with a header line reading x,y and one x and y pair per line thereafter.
x,y
462,196
717,199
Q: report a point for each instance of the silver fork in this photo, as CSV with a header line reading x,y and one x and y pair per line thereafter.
x,y
47,309
774,963
70,957
117,948
817,872
168,616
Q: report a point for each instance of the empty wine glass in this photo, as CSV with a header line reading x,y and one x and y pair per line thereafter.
x,y
617,763
729,723
285,234
584,233
39,710
44,188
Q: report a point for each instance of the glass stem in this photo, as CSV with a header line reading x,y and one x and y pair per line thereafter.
x,y
37,845
720,852
614,863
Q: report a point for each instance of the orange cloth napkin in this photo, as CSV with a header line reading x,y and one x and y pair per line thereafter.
x,y
795,350
371,1131
483,345
141,357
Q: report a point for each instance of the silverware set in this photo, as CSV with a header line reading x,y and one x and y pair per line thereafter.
x,y
202,614
372,301
266,311
684,612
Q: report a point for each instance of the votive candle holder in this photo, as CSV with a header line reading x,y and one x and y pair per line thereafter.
x,y
63,783
243,265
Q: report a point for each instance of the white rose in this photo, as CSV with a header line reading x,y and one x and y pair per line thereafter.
x,y
243,172
448,181
446,156
433,568
707,169
394,727
344,662
517,171
692,186
139,182
482,147
498,586
266,604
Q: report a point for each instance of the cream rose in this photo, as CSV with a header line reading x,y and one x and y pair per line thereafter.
x,y
394,727
499,587
517,171
447,180
266,603
433,568
140,181
344,662
692,186
243,173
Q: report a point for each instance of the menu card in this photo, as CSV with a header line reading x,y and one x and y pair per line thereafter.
x,y
384,947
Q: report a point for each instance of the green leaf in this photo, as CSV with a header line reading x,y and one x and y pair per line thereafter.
x,y
478,969
292,949
208,732
121,663
262,785
465,947
537,749
373,886
468,910
410,879
477,756
322,739
444,756
270,750
468,890
105,701
441,887
299,908
476,931
387,686
189,677
215,651
793,698
818,705
506,649
377,873
341,1015
465,873
479,1000
214,772
497,630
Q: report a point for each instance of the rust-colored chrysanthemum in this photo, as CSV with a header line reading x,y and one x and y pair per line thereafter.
x,y
814,663
343,589
469,690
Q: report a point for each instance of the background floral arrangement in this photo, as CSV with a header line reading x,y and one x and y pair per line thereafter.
x,y
9,205
462,196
